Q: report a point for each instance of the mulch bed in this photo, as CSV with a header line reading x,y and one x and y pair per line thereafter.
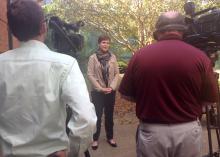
x,y
124,111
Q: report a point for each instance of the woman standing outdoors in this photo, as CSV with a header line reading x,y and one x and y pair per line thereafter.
x,y
103,74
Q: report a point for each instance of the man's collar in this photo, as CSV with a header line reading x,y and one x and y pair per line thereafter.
x,y
33,43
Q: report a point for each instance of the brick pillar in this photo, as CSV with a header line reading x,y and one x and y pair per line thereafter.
x,y
4,28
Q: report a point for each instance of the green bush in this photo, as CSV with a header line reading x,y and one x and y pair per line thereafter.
x,y
122,66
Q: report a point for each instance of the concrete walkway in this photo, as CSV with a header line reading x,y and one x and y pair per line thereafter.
x,y
125,137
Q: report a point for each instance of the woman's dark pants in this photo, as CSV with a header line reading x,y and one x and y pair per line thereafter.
x,y
104,102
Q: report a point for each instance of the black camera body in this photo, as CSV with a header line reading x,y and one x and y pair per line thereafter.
x,y
203,29
65,37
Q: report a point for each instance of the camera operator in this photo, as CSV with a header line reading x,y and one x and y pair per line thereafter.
x,y
169,80
36,84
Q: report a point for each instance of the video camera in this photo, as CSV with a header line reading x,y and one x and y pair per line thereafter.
x,y
204,33
65,37
203,29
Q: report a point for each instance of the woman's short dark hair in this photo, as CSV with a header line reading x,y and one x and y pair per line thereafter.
x,y
103,37
25,18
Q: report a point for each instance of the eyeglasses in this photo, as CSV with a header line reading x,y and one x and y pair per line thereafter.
x,y
46,19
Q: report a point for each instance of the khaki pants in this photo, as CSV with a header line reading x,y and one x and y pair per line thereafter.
x,y
169,140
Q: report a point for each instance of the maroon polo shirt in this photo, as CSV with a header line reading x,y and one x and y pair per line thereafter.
x,y
169,80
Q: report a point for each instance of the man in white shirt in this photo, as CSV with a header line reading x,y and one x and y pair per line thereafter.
x,y
35,86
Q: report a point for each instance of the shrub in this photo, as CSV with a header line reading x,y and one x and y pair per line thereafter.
x,y
122,66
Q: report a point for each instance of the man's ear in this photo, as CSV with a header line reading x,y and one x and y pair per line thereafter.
x,y
43,29
155,35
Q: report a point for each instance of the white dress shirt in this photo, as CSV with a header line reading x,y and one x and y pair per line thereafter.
x,y
35,86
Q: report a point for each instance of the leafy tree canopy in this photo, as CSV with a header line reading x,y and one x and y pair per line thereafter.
x,y
130,23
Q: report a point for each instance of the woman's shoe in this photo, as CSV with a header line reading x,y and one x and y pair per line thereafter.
x,y
112,143
95,145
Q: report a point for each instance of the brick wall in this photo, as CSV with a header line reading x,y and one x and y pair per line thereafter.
x,y
4,28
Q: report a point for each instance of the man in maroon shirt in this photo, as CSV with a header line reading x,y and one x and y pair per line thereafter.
x,y
169,81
